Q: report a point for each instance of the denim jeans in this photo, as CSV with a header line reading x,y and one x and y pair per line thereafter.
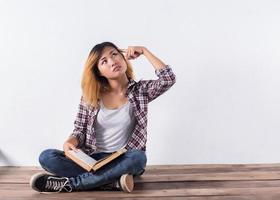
x,y
54,161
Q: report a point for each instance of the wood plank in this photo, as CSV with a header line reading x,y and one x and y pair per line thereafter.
x,y
206,184
176,168
195,166
193,182
207,170
12,178
250,197
185,192
22,174
211,176
179,185
181,166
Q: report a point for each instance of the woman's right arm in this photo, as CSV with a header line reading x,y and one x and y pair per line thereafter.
x,y
70,144
77,137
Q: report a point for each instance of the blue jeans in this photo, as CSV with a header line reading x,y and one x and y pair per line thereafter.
x,y
54,161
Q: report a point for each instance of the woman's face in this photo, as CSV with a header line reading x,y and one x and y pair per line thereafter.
x,y
111,63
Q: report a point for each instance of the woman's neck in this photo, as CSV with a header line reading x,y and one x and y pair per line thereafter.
x,y
118,86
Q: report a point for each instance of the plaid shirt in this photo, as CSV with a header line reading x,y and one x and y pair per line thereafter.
x,y
139,95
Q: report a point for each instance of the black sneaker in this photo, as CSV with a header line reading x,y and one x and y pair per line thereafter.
x,y
43,182
124,183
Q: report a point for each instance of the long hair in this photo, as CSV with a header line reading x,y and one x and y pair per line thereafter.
x,y
93,84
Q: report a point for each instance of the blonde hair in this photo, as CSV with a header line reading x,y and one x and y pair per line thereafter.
x,y
93,84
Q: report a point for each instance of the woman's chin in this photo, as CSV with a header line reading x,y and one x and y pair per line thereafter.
x,y
117,75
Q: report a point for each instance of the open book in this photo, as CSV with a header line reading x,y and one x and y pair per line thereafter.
x,y
90,164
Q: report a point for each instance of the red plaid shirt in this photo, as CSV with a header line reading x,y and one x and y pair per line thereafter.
x,y
139,95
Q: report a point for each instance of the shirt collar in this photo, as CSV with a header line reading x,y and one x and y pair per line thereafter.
x,y
130,82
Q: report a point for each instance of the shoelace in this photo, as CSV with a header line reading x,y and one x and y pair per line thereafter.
x,y
57,184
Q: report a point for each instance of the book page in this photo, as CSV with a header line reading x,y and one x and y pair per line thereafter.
x,y
83,156
108,159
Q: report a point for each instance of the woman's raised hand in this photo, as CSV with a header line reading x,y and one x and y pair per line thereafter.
x,y
133,52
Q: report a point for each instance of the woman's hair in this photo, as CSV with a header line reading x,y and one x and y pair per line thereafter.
x,y
93,84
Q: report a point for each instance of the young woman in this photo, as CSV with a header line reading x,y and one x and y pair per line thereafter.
x,y
112,115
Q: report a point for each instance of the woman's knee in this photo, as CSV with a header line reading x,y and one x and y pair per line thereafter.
x,y
139,157
47,155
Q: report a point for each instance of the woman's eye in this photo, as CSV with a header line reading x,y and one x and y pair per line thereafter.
x,y
114,54
103,62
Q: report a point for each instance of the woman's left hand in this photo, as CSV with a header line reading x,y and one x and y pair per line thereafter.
x,y
133,52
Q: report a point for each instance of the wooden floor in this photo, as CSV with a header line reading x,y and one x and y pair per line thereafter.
x,y
190,182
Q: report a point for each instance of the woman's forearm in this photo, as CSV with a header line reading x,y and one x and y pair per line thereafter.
x,y
156,62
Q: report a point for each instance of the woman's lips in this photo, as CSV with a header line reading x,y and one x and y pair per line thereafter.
x,y
117,68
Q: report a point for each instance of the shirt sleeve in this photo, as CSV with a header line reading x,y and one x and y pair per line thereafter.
x,y
80,123
154,88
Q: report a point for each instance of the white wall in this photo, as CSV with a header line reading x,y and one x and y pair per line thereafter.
x,y
224,108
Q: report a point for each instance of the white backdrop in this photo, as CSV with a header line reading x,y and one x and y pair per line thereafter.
x,y
224,107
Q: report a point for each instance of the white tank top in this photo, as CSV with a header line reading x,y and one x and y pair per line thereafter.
x,y
113,127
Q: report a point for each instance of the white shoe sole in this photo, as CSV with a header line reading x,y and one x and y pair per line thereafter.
x,y
127,183
36,176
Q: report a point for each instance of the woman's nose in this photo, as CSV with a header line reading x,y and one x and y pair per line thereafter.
x,y
112,62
